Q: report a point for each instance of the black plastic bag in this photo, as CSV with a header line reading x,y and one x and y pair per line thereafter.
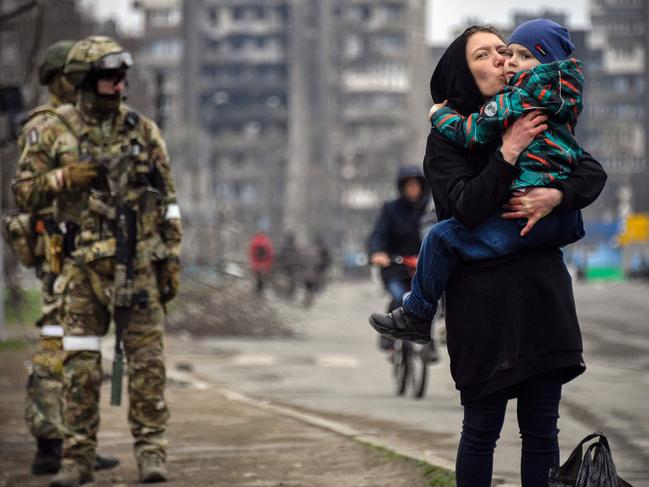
x,y
594,468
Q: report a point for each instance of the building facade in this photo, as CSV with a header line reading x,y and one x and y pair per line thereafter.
x,y
376,90
617,106
236,91
298,113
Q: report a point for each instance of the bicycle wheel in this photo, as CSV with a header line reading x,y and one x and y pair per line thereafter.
x,y
401,367
419,373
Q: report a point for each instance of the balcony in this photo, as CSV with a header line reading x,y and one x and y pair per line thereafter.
x,y
239,84
245,56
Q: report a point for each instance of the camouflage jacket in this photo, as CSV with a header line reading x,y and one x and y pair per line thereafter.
x,y
556,89
132,160
26,239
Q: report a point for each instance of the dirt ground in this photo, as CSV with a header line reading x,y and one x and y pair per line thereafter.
x,y
213,442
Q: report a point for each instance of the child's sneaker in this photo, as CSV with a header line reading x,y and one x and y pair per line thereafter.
x,y
401,325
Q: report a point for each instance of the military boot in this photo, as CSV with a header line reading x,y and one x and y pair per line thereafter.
x,y
71,475
103,462
48,456
152,468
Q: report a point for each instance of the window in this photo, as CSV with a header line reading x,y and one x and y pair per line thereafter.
x,y
166,17
258,12
213,14
166,47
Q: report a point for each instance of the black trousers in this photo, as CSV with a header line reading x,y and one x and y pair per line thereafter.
x,y
537,410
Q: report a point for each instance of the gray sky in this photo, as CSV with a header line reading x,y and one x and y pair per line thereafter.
x,y
444,16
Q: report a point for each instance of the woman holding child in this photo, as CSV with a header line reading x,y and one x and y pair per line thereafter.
x,y
511,320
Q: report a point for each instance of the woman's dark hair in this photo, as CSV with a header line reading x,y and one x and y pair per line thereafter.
x,y
483,28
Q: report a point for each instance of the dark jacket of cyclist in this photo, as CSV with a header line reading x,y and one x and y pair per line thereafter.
x,y
397,230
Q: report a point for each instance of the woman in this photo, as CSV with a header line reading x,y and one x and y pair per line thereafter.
x,y
511,322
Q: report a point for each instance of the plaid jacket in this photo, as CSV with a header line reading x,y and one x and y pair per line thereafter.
x,y
555,88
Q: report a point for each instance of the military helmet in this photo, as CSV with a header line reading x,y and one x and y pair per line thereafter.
x,y
95,54
53,61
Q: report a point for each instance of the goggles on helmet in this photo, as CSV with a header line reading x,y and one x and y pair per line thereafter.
x,y
117,60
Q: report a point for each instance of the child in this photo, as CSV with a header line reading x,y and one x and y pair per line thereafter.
x,y
540,77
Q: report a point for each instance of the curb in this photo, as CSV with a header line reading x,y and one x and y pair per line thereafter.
x,y
336,427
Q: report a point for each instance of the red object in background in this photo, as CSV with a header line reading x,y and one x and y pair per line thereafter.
x,y
410,261
261,253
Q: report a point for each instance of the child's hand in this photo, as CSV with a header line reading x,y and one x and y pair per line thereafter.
x,y
436,107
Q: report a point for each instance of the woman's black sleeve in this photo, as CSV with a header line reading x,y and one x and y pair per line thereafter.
x,y
468,193
583,186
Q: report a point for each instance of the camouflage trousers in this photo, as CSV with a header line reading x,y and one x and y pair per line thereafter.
x,y
86,293
44,401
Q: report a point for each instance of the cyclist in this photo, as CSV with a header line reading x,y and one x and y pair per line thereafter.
x,y
396,235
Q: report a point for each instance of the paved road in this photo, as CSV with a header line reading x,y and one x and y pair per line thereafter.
x,y
335,369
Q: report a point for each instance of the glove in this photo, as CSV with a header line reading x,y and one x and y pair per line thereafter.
x,y
79,175
75,175
169,279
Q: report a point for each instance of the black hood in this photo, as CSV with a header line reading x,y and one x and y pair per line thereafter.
x,y
452,80
412,171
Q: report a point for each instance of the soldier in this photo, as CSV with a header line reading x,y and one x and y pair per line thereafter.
x,y
90,162
44,401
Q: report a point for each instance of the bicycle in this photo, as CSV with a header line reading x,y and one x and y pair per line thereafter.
x,y
410,361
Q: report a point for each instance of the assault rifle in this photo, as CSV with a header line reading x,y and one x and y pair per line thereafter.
x,y
125,239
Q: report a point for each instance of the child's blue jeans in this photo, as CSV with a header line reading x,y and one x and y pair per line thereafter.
x,y
449,241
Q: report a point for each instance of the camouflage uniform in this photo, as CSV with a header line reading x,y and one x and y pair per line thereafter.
x,y
43,405
132,153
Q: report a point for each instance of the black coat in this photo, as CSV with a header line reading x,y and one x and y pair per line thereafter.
x,y
397,232
512,317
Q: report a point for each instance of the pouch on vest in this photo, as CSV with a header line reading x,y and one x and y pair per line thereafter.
x,y
18,232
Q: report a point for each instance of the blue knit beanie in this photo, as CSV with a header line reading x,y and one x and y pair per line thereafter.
x,y
545,39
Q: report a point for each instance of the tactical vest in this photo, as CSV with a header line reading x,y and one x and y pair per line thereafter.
x,y
22,231
126,174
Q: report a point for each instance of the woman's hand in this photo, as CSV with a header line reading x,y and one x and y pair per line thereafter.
x,y
532,204
521,134
436,107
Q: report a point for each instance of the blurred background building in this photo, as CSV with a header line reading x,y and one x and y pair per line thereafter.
x,y
304,109
293,115
236,85
618,102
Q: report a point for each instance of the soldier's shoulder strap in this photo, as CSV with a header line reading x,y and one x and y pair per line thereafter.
x,y
28,118
45,109
132,120
31,123
129,117
71,118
